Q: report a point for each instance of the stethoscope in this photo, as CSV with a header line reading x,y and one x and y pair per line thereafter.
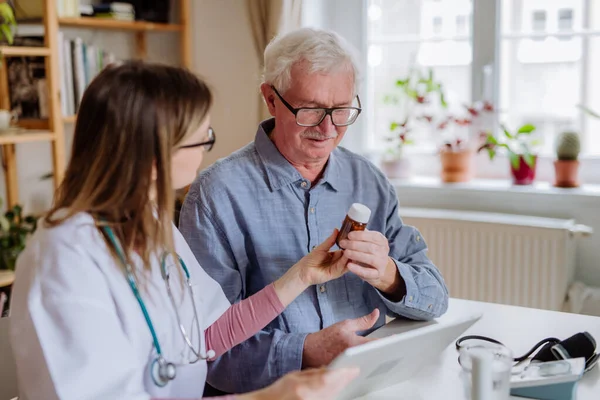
x,y
161,370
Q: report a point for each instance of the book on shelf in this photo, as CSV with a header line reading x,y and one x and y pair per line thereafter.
x,y
79,63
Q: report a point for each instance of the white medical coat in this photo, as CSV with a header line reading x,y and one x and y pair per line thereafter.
x,y
77,329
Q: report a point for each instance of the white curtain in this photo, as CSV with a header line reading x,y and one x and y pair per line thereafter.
x,y
269,18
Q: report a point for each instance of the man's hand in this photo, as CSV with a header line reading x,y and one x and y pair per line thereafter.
x,y
368,252
320,348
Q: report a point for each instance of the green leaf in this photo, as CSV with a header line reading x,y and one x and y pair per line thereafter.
x,y
443,100
535,142
409,141
491,153
515,160
412,93
506,132
4,224
491,139
527,129
402,82
529,159
394,126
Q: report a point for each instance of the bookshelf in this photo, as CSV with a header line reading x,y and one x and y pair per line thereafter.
x,y
52,129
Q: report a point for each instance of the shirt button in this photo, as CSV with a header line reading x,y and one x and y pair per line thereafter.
x,y
312,210
322,289
410,298
303,184
418,238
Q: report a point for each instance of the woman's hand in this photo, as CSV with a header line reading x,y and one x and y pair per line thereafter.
x,y
322,265
309,384
319,266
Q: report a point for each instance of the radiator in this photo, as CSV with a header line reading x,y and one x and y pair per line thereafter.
x,y
500,258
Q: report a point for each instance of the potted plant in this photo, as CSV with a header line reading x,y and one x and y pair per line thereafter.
x,y
519,148
395,164
566,165
7,23
14,231
456,152
418,93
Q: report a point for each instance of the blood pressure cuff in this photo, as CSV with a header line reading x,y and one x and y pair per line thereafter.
x,y
581,344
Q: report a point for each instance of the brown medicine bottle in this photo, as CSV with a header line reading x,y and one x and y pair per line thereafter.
x,y
356,220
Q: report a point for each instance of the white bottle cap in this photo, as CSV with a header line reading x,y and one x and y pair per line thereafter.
x,y
359,213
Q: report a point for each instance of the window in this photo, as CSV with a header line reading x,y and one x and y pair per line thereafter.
x,y
461,25
437,25
541,72
565,20
417,36
548,53
538,24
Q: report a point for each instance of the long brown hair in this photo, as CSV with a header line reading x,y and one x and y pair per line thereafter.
x,y
130,119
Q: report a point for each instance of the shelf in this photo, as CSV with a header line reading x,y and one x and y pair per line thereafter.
x,y
102,23
25,136
70,119
20,51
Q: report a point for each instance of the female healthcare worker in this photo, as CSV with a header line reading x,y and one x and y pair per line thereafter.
x,y
109,301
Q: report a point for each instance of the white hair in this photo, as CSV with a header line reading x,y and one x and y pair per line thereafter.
x,y
324,51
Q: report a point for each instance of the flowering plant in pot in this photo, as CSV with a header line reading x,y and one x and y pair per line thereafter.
x,y
416,92
519,147
566,165
457,152
394,163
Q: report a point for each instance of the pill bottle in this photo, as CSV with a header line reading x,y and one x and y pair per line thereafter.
x,y
356,220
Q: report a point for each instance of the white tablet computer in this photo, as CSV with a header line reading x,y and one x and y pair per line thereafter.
x,y
396,358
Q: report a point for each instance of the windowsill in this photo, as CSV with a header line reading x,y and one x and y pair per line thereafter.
x,y
495,185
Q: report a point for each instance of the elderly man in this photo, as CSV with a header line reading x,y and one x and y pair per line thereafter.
x,y
251,216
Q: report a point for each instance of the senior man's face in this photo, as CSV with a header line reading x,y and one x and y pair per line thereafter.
x,y
301,144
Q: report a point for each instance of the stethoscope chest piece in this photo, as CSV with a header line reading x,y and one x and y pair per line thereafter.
x,y
162,371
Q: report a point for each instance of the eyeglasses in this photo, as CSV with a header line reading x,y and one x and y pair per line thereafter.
x,y
313,116
208,144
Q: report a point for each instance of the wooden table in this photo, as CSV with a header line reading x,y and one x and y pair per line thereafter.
x,y
518,328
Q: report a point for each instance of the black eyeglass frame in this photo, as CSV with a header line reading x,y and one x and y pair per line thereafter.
x,y
328,111
208,144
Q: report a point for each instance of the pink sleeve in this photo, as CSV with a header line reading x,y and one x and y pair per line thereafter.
x,y
243,320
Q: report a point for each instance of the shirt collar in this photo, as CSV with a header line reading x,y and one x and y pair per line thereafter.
x,y
279,171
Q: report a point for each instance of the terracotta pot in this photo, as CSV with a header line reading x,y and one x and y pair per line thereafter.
x,y
566,172
396,168
457,166
524,175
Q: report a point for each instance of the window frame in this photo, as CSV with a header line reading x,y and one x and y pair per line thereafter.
x,y
349,18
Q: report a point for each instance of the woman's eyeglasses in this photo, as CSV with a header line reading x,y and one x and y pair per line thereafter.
x,y
207,144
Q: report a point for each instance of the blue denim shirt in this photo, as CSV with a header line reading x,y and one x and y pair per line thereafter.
x,y
249,217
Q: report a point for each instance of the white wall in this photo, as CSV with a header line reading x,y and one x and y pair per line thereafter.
x,y
223,53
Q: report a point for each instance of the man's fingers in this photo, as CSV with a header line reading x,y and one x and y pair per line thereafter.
x,y
362,246
364,273
360,257
368,236
365,322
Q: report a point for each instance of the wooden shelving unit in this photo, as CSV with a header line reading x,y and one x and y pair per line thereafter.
x,y
52,129
98,23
